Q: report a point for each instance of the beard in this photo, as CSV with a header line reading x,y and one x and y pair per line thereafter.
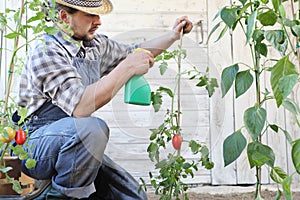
x,y
84,38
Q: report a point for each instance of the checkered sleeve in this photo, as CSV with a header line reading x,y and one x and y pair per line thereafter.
x,y
112,52
54,76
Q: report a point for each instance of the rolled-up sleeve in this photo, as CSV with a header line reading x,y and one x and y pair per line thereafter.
x,y
112,52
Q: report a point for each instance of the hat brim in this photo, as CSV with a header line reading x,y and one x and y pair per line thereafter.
x,y
105,8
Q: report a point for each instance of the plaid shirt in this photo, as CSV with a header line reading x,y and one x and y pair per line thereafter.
x,y
49,73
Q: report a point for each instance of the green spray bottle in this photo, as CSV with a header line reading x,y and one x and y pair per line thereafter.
x,y
137,89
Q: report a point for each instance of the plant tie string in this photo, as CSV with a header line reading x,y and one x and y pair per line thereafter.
x,y
10,72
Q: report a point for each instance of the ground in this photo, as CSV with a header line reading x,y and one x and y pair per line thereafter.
x,y
232,193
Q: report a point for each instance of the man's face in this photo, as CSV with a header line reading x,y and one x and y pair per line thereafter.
x,y
83,25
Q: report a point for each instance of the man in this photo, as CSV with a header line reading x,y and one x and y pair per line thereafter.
x,y
63,83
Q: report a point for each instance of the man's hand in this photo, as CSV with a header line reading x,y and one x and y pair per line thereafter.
x,y
139,61
182,23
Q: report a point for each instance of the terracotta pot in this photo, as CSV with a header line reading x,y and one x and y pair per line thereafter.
x,y
15,173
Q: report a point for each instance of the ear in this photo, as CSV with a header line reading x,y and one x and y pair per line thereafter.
x,y
64,16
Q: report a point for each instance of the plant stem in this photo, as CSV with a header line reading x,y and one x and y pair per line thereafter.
x,y
258,185
258,101
179,86
179,79
3,153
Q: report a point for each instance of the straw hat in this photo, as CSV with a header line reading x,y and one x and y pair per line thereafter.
x,y
95,7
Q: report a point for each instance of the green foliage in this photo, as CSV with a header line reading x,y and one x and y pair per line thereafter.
x,y
278,175
233,146
266,27
173,169
260,154
243,82
17,26
228,77
284,77
210,84
296,155
286,185
254,119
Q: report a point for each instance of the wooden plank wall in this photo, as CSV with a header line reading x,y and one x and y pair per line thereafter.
x,y
206,120
136,21
221,109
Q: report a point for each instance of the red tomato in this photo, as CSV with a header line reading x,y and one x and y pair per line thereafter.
x,y
176,141
20,137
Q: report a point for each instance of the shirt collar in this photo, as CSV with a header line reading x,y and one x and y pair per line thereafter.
x,y
71,45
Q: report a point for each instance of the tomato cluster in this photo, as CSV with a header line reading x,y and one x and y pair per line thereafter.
x,y
10,134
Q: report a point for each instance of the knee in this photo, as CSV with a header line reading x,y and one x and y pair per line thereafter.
x,y
94,135
99,129
102,127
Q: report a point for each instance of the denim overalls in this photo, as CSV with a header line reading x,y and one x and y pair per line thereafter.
x,y
70,151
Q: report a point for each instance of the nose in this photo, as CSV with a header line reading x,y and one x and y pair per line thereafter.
x,y
97,20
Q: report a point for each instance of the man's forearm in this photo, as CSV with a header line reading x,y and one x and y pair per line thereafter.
x,y
100,93
157,45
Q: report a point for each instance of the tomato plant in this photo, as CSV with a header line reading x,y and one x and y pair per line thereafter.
x,y
175,168
20,137
16,27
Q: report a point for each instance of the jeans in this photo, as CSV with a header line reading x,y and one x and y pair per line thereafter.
x,y
70,151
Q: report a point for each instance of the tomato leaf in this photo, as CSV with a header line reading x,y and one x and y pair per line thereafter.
x,y
5,169
163,67
30,163
12,35
153,151
156,99
195,147
17,186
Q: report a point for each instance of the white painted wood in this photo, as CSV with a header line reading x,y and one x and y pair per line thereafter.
x,y
293,129
221,109
242,54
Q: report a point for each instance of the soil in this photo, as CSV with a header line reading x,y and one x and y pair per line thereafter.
x,y
266,194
